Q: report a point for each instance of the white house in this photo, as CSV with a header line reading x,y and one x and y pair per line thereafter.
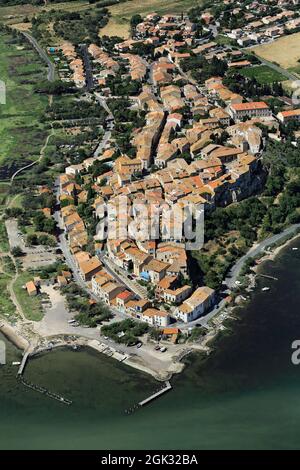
x,y
196,305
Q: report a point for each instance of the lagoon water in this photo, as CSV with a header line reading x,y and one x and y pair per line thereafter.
x,y
245,395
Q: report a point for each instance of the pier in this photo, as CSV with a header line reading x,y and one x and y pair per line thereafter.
x,y
44,391
157,394
23,364
267,276
38,388
152,397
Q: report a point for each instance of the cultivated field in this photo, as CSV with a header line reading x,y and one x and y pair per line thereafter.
x,y
121,14
15,14
285,51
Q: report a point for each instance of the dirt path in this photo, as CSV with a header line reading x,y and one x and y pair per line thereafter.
x,y
42,153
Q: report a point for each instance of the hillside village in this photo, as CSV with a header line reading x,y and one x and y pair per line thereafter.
x,y
181,124
201,143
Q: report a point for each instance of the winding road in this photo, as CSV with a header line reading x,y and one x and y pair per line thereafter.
x,y
36,161
255,251
235,271
43,55
50,77
277,68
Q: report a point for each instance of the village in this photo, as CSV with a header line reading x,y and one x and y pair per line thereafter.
x,y
199,145
170,142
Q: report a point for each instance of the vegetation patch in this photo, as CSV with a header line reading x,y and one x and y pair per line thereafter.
x,y
125,332
31,306
7,308
21,133
263,74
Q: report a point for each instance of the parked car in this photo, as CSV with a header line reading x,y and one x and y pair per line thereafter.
x,y
139,345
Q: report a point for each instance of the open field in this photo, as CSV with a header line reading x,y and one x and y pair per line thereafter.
x,y
31,305
285,51
7,308
121,13
119,23
263,74
21,134
15,14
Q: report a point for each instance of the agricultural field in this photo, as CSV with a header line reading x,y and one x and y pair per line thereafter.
x,y
120,14
21,133
263,74
284,51
14,15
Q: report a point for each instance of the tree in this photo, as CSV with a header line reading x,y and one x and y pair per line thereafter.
x,y
135,20
17,251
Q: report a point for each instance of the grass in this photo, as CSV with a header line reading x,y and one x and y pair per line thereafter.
x,y
15,14
7,308
21,134
31,305
8,266
263,74
121,13
285,51
17,201
4,245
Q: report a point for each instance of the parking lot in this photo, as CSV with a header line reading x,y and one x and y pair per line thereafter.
x,y
35,256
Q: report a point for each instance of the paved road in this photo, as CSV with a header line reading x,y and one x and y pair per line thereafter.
x,y
87,68
36,161
103,144
277,68
104,105
121,276
255,251
43,55
235,271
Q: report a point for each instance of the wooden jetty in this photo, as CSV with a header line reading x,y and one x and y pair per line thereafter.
x,y
38,388
152,397
267,276
23,364
44,391
157,394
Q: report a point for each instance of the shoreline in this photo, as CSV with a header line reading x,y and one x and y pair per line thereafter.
x,y
135,361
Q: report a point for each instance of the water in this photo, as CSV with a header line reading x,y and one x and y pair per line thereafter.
x,y
244,396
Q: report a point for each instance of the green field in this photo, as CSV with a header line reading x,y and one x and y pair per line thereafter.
x,y
21,134
263,74
31,305
7,308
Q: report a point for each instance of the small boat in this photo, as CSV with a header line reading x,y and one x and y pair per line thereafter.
x,y
264,289
294,249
